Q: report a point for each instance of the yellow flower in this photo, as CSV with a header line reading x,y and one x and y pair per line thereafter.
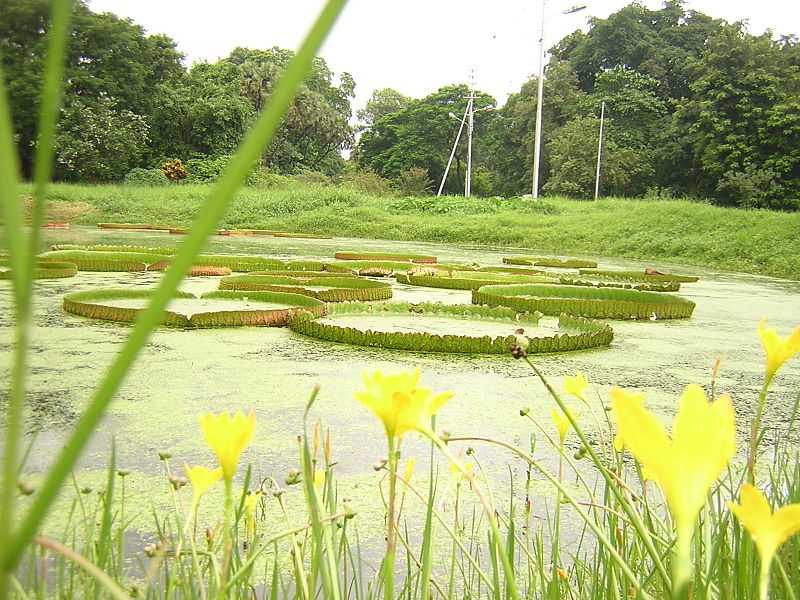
x,y
561,421
768,530
202,479
457,473
638,398
399,403
778,350
228,436
410,464
250,503
319,480
687,465
577,386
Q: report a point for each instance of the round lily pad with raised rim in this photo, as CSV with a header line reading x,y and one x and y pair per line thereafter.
x,y
466,280
328,289
42,270
592,302
574,333
391,256
235,309
638,276
541,261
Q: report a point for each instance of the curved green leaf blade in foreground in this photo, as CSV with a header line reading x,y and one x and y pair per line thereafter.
x,y
221,194
21,258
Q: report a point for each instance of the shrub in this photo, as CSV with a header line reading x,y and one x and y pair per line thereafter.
x,y
367,181
312,178
754,187
174,170
208,168
414,182
146,177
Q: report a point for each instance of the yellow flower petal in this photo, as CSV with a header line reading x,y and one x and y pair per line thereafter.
x,y
777,350
228,436
576,385
250,504
319,480
399,403
410,464
561,422
202,478
768,530
686,466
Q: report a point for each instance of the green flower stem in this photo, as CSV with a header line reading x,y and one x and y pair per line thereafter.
x,y
755,432
190,530
601,536
763,580
455,536
554,555
613,486
221,194
391,532
227,538
488,509
682,565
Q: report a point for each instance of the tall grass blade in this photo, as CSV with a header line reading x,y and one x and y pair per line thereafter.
x,y
22,262
221,194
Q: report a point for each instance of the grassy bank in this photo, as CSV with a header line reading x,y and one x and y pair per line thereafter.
x,y
759,242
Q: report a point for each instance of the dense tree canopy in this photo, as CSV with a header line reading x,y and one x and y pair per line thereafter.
x,y
694,106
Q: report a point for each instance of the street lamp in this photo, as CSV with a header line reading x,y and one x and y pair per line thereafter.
x,y
537,143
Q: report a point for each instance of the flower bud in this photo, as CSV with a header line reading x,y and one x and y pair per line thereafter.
x,y
123,473
293,477
380,465
177,482
524,412
164,455
25,488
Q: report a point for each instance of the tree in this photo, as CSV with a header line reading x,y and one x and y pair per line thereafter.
x,y
204,114
108,57
382,103
742,116
422,134
573,151
510,152
99,141
657,43
316,127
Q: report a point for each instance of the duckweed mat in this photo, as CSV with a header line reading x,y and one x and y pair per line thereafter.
x,y
577,333
261,309
327,289
604,303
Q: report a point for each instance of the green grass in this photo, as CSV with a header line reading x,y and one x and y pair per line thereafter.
x,y
760,242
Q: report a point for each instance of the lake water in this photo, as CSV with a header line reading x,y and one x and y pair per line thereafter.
x,y
183,373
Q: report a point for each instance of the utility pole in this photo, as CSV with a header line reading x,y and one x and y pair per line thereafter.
x,y
469,120
470,127
537,140
599,150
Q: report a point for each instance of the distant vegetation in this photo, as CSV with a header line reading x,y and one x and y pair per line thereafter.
x,y
696,107
762,242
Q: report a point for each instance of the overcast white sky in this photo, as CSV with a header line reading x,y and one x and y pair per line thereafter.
x,y
415,46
